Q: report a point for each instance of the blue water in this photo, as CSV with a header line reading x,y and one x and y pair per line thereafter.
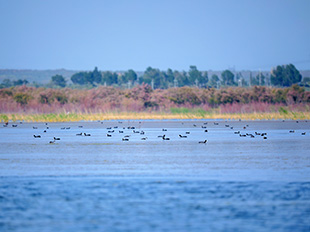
x,y
101,183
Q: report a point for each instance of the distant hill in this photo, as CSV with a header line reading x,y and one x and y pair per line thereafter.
x,y
38,76
44,76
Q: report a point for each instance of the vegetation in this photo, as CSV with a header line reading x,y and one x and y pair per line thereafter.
x,y
281,76
142,99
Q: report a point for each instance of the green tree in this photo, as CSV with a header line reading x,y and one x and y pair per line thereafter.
x,y
285,75
214,80
109,78
228,78
79,78
96,76
59,80
195,76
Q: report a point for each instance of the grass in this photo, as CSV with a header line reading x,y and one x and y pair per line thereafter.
x,y
176,113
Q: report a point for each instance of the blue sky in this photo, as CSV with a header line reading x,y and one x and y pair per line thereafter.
x,y
134,34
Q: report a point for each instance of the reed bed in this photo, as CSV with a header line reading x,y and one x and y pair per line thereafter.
x,y
74,117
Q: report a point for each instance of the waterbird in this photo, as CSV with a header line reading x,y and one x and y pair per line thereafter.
x,y
79,134
291,131
303,133
86,134
183,136
237,132
264,137
14,125
125,139
187,132
206,130
164,129
37,136
56,138
108,135
111,131
52,141
205,141
34,127
144,138
120,131
44,131
164,138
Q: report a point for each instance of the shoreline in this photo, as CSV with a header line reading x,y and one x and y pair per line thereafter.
x,y
76,117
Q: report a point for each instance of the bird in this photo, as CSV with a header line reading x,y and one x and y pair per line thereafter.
x,y
52,141
56,138
164,138
182,136
144,138
86,134
303,133
79,134
205,141
37,136
108,135
187,132
125,139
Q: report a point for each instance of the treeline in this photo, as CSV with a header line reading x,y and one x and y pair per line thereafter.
x,y
281,76
144,98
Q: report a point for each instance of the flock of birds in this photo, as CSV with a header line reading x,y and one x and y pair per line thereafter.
x,y
110,131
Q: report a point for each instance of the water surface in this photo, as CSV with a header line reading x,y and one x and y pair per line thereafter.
x,y
101,183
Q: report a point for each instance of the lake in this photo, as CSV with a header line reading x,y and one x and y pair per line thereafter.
x,y
123,176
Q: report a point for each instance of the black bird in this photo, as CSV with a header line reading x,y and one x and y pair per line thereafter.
x,y
291,131
237,132
37,136
120,131
144,138
56,138
108,135
86,134
303,133
164,138
206,130
205,141
182,136
34,127
79,134
125,139
53,141
187,132
164,129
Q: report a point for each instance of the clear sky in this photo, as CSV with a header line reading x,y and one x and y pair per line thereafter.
x,y
134,34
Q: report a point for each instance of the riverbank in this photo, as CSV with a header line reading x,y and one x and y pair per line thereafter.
x,y
74,117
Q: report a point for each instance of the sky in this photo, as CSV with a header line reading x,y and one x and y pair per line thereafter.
x,y
119,35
